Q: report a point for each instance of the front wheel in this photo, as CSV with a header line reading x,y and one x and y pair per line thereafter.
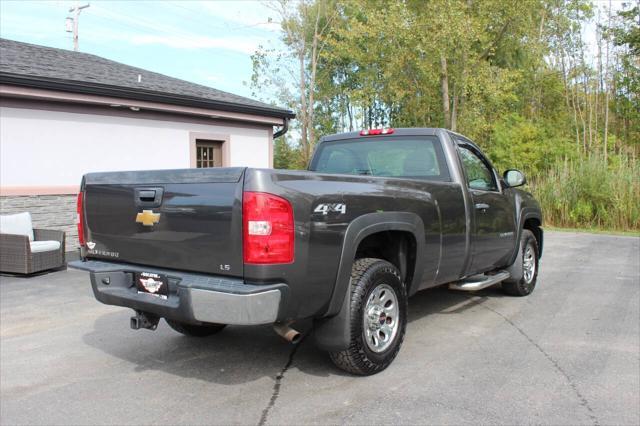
x,y
378,318
529,258
204,330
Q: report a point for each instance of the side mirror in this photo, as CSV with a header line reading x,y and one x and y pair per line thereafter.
x,y
514,178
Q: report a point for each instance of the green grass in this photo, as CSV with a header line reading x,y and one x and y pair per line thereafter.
x,y
593,231
587,194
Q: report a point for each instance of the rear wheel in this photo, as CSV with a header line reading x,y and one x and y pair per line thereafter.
x,y
378,318
204,330
525,285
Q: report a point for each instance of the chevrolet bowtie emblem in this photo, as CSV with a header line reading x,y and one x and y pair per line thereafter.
x,y
148,218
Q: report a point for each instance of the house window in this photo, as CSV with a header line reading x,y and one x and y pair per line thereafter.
x,y
208,153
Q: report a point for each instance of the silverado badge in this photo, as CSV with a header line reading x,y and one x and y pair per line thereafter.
x,y
148,218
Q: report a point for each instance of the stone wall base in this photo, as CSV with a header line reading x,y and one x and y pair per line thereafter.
x,y
48,212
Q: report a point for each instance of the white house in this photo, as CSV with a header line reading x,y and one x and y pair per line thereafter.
x,y
64,113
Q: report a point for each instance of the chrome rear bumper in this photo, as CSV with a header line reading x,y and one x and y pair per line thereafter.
x,y
192,298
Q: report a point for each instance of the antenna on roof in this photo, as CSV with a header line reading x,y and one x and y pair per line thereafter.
x,y
72,23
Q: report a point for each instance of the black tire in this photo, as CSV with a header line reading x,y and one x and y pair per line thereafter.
x,y
204,330
367,275
526,284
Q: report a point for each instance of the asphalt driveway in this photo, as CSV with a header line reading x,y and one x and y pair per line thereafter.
x,y
567,354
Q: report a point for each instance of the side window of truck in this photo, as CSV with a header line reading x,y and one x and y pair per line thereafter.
x,y
479,175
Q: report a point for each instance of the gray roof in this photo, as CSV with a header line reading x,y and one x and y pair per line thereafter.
x,y
38,66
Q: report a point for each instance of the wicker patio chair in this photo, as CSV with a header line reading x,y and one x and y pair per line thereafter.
x,y
16,255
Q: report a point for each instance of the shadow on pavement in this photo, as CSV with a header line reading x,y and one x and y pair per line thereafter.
x,y
244,354
34,274
441,300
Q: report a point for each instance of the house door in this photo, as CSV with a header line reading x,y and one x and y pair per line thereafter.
x,y
208,153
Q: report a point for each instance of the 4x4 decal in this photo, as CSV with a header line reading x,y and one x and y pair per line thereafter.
x,y
327,208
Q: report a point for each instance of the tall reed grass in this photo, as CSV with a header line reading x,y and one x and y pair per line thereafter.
x,y
589,194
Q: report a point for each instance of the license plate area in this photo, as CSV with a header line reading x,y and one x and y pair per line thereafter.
x,y
153,284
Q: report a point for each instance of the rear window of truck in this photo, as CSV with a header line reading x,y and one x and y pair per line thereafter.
x,y
416,157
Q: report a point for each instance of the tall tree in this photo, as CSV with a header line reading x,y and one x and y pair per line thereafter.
x,y
304,25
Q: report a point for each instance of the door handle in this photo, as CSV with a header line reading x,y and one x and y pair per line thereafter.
x,y
482,206
147,195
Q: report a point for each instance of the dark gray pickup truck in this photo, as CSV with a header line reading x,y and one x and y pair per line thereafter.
x,y
379,215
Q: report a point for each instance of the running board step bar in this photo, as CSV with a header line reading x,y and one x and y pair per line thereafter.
x,y
478,282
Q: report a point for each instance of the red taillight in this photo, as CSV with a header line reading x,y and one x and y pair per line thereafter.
x,y
268,228
376,132
80,218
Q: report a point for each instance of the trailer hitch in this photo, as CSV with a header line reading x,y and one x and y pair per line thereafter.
x,y
144,320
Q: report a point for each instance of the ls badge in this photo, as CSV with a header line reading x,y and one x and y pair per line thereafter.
x,y
148,218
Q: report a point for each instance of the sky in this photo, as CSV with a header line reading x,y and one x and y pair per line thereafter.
x,y
208,42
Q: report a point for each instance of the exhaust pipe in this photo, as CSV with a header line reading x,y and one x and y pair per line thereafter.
x,y
287,333
143,320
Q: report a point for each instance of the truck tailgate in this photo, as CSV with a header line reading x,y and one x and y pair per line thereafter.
x,y
176,219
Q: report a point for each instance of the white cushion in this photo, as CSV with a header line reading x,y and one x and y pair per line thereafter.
x,y
40,246
18,224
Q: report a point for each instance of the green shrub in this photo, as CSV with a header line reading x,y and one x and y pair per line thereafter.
x,y
588,193
521,143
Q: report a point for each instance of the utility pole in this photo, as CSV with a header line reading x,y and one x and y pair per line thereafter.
x,y
72,23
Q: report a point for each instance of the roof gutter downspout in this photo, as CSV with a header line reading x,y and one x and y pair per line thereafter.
x,y
283,130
